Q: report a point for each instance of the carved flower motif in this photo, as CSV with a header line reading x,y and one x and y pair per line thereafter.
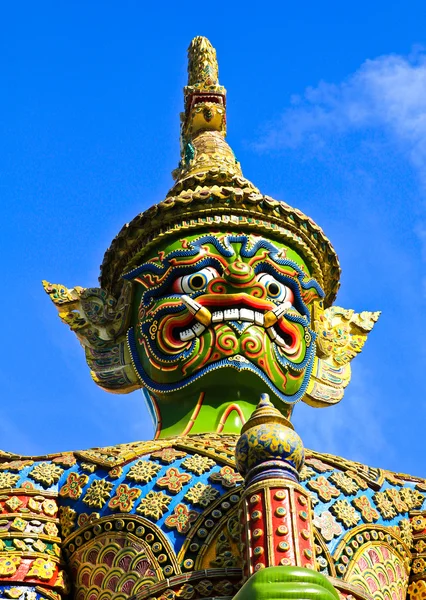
x,y
167,455
9,564
51,529
7,480
98,493
182,518
418,565
173,480
84,518
227,477
154,505
115,472
412,498
50,507
323,488
318,465
201,494
73,486
34,505
419,523
198,464
68,460
396,500
327,525
384,505
306,473
368,513
67,519
43,569
417,590
143,471
124,498
344,483
13,503
15,465
345,513
46,473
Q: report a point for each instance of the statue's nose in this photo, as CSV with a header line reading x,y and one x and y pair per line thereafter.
x,y
239,273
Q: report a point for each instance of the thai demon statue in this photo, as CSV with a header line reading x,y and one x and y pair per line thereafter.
x,y
218,304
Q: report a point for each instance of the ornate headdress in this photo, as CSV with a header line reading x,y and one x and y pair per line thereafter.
x,y
211,190
209,193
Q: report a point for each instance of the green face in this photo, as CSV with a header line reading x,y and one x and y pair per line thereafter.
x,y
236,304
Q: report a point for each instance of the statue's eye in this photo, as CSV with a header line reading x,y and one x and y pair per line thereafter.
x,y
196,282
275,289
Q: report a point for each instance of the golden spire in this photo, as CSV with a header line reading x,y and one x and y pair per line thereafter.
x,y
204,150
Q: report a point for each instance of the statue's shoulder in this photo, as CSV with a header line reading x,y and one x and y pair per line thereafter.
x,y
356,505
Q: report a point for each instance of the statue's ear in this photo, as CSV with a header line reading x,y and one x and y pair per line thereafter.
x,y
341,334
100,322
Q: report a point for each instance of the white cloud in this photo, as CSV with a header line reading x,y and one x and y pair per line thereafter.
x,y
353,429
388,92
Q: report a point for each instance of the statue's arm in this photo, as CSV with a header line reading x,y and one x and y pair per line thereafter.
x,y
31,565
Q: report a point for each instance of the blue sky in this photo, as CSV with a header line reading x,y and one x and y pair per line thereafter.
x,y
326,110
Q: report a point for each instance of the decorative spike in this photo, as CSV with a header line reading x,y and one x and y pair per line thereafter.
x,y
200,312
202,63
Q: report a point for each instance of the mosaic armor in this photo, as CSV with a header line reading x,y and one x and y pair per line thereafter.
x,y
218,304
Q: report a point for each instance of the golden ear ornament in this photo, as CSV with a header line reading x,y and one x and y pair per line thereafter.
x,y
341,335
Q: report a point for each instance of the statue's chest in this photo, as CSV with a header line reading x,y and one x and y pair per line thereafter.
x,y
153,521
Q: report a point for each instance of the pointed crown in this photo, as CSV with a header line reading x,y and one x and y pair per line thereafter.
x,y
210,190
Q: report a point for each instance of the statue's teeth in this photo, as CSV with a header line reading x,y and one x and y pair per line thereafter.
x,y
272,333
258,318
217,316
231,314
198,329
187,335
246,314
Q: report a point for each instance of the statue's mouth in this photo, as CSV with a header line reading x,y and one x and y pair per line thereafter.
x,y
198,98
211,310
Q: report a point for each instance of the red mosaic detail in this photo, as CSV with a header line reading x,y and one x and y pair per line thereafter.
x,y
73,487
181,518
67,460
173,480
368,513
168,455
124,498
15,465
318,465
227,477
323,488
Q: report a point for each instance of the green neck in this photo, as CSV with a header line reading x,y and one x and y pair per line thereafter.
x,y
211,406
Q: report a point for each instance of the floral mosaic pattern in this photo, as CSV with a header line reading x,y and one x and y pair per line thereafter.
x,y
173,480
154,505
201,494
227,477
181,518
327,525
46,473
124,498
323,488
143,471
198,464
73,487
345,513
98,493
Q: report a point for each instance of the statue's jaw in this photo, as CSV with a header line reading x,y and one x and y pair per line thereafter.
x,y
287,384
